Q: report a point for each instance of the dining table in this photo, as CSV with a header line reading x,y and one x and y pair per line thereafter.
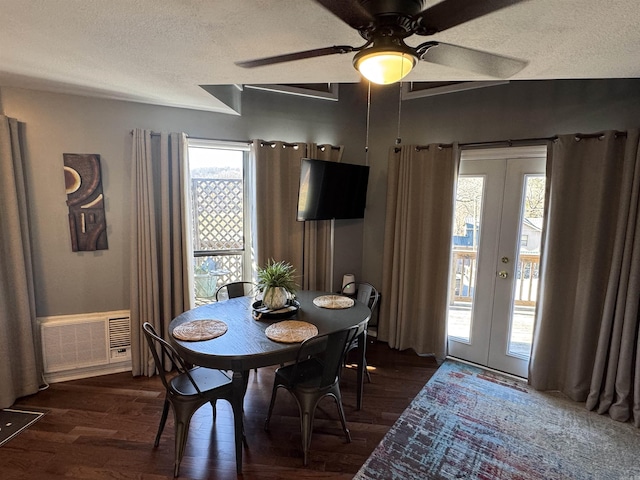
x,y
245,345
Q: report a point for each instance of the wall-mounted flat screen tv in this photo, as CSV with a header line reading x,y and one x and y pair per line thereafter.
x,y
331,190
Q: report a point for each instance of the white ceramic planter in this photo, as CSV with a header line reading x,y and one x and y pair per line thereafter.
x,y
275,297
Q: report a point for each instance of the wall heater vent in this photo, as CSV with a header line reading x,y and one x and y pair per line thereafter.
x,y
78,346
119,338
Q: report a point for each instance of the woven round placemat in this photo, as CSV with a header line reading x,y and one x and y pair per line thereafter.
x,y
333,301
195,330
291,331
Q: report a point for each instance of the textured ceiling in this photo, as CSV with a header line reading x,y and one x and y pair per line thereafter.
x,y
161,51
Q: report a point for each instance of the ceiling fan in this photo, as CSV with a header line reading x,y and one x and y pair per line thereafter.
x,y
385,24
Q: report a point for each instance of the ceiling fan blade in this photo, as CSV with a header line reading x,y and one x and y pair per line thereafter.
x,y
472,60
349,11
450,13
289,57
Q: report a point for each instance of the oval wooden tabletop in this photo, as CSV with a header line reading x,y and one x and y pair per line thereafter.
x,y
245,346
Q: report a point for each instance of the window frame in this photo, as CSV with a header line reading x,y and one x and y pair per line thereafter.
x,y
244,147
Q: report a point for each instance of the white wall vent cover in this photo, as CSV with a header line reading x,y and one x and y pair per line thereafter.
x,y
119,338
74,345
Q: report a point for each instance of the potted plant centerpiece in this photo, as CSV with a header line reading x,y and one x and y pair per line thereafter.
x,y
276,281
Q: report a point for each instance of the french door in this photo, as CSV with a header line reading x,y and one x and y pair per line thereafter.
x,y
495,259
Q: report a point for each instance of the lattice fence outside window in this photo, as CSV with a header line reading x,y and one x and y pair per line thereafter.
x,y
218,208
218,234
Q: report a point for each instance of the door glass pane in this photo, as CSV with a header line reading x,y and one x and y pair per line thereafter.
x,y
466,238
527,267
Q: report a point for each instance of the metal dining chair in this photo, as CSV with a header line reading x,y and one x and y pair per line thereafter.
x,y
235,289
314,375
185,392
367,294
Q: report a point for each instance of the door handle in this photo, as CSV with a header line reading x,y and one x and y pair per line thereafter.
x,y
503,274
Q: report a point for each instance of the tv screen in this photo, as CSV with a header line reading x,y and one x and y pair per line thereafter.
x,y
331,190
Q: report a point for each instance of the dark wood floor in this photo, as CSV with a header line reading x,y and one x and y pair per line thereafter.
x,y
104,427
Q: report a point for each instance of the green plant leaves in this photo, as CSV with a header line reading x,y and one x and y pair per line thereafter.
x,y
277,274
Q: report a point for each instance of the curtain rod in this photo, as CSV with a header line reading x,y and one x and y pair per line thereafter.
x,y
510,143
285,144
272,144
156,134
470,145
249,142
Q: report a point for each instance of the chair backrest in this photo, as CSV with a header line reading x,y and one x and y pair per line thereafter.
x,y
161,349
330,348
235,289
366,293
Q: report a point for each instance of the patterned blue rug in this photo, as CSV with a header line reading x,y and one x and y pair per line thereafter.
x,y
469,423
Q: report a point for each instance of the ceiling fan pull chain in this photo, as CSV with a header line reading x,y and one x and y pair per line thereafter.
x,y
398,139
366,146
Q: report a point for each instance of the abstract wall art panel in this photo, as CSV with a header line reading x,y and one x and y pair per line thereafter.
x,y
83,183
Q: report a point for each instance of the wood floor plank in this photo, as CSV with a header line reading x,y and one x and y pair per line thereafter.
x,y
104,427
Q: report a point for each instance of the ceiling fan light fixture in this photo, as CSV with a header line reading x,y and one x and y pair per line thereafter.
x,y
384,65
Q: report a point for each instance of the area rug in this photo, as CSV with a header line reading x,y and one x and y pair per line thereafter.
x,y
469,423
12,422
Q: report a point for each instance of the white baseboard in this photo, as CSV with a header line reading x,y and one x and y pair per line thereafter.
x,y
77,374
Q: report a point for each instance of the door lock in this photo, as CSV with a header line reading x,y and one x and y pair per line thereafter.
x,y
503,274
505,259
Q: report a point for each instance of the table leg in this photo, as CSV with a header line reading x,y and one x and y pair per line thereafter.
x,y
362,347
238,383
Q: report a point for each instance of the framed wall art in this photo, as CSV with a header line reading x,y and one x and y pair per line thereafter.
x,y
83,184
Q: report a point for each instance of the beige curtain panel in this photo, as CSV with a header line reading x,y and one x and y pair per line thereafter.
x,y
586,333
278,235
161,257
277,173
20,370
417,248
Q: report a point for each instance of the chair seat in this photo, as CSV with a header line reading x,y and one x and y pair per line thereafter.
x,y
205,378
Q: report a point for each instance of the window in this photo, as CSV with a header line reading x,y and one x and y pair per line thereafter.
x,y
219,215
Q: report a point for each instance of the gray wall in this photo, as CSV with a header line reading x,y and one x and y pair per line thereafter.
x,y
520,109
68,282
83,282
